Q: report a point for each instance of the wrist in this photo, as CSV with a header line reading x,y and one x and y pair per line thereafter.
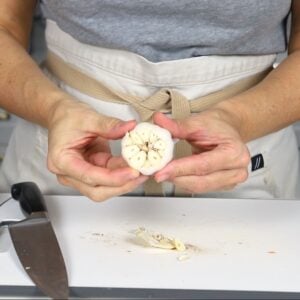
x,y
60,104
231,113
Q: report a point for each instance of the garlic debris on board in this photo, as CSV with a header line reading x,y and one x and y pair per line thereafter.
x,y
147,148
158,240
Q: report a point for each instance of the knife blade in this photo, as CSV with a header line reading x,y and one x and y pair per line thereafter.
x,y
36,244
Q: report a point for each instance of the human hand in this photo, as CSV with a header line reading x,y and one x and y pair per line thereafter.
x,y
79,153
220,157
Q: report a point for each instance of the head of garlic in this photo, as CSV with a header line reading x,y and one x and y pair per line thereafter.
x,y
147,148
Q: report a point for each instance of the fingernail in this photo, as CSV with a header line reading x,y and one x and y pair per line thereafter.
x,y
161,178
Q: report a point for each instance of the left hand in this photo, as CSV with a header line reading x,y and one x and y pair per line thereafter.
x,y
79,153
220,158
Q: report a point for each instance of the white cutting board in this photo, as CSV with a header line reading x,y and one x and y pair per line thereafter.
x,y
251,245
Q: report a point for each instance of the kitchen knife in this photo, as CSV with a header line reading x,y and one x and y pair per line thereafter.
x,y
36,244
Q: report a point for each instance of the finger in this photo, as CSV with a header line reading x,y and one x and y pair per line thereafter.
x,y
220,158
188,129
116,162
107,160
99,144
76,167
113,128
101,193
222,180
100,159
100,155
173,126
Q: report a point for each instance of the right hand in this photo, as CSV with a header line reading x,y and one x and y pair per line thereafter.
x,y
79,153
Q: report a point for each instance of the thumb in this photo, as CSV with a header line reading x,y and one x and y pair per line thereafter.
x,y
113,128
175,127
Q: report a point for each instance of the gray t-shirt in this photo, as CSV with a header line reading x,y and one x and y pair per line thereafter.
x,y
175,29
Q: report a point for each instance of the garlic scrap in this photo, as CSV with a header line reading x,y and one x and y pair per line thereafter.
x,y
147,148
158,240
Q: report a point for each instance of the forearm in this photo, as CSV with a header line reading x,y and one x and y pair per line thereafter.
x,y
271,105
24,89
275,102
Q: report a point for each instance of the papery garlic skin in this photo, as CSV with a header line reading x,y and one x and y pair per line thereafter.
x,y
147,148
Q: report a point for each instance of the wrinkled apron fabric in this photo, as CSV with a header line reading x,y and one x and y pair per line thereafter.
x,y
273,171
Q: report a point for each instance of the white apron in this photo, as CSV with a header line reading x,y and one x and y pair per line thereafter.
x,y
273,172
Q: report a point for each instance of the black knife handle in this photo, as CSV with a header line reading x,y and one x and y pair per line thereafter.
x,y
29,196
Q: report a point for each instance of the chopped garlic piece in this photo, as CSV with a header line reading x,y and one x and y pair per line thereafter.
x,y
179,245
159,240
183,257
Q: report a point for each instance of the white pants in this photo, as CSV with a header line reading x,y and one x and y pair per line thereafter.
x,y
130,73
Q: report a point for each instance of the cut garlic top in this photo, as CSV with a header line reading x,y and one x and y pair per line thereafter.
x,y
147,148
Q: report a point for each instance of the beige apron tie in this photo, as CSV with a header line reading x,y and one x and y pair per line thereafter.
x,y
164,100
